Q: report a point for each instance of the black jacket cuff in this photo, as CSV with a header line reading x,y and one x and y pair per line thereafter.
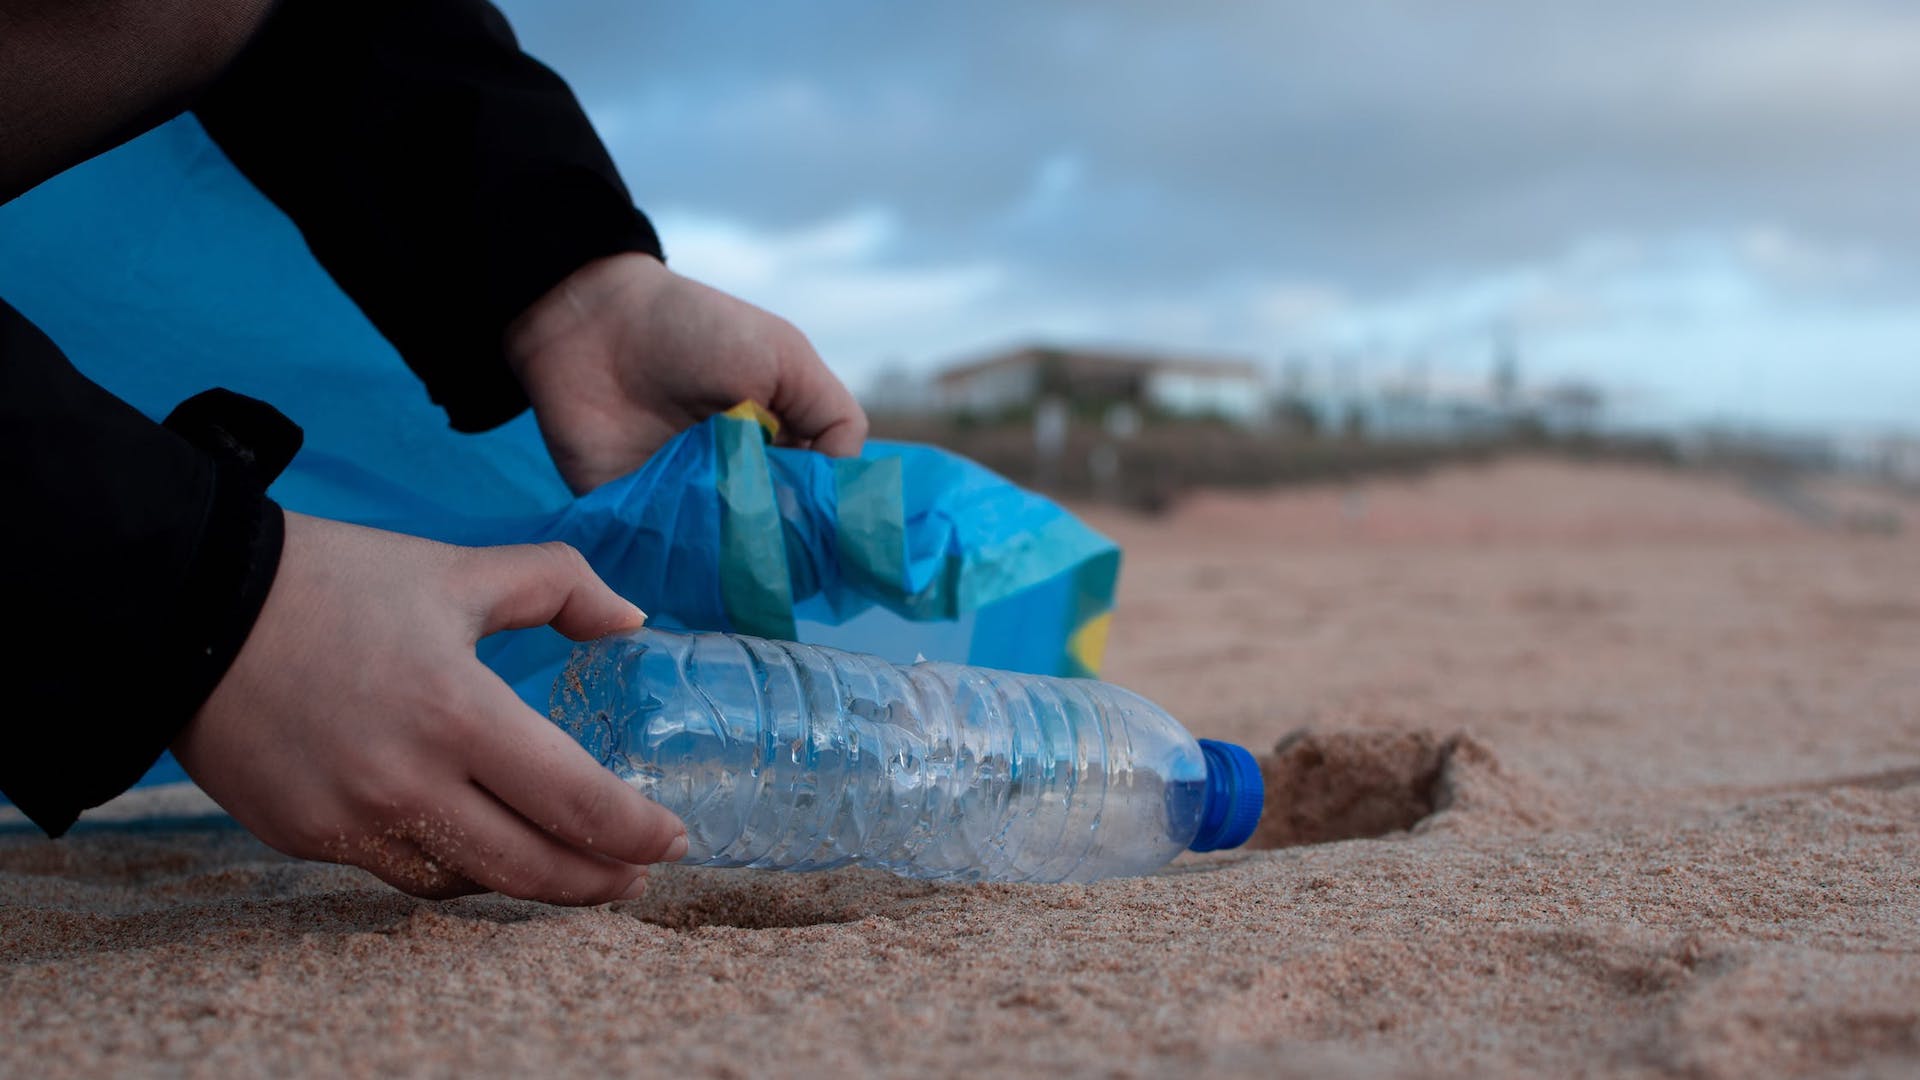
x,y
143,558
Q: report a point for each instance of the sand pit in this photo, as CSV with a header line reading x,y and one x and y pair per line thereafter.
x,y
1610,772
1323,788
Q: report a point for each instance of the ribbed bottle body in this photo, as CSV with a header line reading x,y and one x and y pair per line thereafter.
x,y
797,757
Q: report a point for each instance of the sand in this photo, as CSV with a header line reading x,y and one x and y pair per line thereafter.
x,y
1578,771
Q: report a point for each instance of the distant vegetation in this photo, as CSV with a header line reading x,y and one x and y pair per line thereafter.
x,y
1152,468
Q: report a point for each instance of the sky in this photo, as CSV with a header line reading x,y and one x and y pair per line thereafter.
x,y
1711,209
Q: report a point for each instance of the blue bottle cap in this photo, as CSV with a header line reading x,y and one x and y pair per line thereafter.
x,y
1235,797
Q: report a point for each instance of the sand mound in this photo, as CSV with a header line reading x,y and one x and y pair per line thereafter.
x,y
1323,787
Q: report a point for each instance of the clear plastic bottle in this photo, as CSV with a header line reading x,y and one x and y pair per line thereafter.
x,y
797,757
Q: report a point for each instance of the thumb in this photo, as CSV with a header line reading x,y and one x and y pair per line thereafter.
x,y
545,585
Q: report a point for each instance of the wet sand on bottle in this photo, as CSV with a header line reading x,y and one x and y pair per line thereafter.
x,y
1576,770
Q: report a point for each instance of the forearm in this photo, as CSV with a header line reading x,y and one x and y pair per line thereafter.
x,y
443,177
77,77
135,562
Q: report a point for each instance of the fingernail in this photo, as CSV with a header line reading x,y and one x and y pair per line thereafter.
x,y
676,850
634,890
636,618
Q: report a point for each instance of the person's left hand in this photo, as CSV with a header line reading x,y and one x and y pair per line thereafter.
x,y
625,353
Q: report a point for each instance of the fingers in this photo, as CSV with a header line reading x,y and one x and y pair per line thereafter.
x,y
402,864
533,767
546,584
815,407
491,846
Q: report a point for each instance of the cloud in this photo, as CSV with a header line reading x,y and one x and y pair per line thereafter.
x,y
829,278
1791,260
1657,190
1744,326
1367,140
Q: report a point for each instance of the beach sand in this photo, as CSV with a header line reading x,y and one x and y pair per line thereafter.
x,y
1575,770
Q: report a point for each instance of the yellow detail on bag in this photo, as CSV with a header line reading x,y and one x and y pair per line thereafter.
x,y
1088,644
752,410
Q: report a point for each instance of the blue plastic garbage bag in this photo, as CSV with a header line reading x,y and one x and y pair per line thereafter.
x,y
162,272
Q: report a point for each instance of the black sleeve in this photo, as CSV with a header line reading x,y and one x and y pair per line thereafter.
x,y
135,556
443,177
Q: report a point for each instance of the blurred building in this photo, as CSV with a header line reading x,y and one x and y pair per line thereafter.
x,y
1897,458
1571,408
897,390
1396,415
1761,448
1426,407
1015,381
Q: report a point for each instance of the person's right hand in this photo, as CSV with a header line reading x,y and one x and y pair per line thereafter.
x,y
357,726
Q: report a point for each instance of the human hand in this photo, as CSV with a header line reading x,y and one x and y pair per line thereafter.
x,y
625,353
357,726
